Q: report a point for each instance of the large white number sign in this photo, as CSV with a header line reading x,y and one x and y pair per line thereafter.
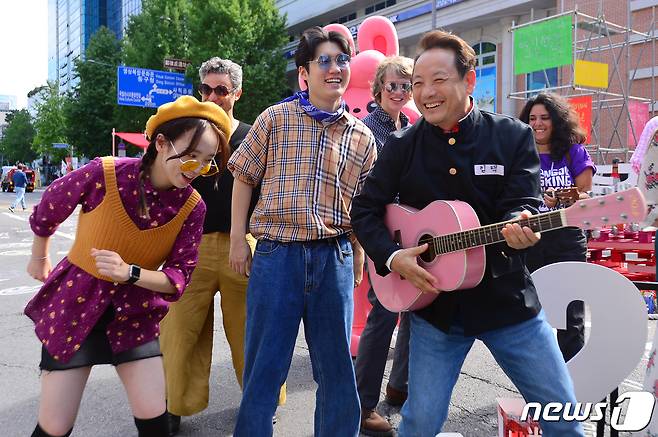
x,y
619,323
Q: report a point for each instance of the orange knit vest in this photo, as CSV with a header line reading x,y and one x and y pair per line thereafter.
x,y
109,227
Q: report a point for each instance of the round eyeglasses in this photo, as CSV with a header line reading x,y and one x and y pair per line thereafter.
x,y
342,61
208,169
392,87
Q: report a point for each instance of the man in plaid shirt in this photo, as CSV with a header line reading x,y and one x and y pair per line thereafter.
x,y
311,157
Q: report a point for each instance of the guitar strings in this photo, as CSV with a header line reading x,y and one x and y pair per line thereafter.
x,y
467,239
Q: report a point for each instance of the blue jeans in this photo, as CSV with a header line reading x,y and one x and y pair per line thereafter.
x,y
527,352
311,281
20,197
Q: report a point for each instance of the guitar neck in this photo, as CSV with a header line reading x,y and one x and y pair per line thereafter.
x,y
491,234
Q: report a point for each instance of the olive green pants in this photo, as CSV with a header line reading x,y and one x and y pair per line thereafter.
x,y
186,333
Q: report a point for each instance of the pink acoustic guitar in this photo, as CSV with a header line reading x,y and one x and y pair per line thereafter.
x,y
456,255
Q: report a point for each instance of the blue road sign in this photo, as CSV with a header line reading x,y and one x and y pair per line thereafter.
x,y
60,146
149,88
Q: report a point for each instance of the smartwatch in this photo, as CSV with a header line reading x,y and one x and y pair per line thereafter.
x,y
134,271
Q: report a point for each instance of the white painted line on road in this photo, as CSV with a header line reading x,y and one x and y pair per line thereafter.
x,y
25,289
14,245
14,216
16,253
61,234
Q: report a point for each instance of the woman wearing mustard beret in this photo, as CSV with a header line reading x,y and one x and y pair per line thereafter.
x,y
135,249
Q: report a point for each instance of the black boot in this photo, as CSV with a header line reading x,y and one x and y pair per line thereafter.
x,y
39,432
155,427
174,424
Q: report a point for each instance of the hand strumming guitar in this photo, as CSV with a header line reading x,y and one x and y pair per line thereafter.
x,y
406,264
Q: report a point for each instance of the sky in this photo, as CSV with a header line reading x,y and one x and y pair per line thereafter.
x,y
23,47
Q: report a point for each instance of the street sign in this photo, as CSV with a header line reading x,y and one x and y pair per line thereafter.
x,y
176,64
149,88
60,146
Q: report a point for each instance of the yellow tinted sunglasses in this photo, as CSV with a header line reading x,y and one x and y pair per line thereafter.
x,y
209,169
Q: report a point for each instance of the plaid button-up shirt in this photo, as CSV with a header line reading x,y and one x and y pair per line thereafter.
x,y
309,172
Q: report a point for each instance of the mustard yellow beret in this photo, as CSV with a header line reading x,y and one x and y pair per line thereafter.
x,y
188,106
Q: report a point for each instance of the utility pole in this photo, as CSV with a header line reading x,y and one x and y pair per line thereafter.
x,y
433,14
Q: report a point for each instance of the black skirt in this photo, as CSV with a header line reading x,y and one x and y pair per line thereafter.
x,y
96,349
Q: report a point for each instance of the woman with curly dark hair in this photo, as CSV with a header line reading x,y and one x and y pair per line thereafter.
x,y
565,164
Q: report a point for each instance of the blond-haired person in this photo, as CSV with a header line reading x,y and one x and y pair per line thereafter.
x,y
392,90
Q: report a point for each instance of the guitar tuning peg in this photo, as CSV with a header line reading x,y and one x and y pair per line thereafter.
x,y
620,198
586,223
623,215
582,205
604,219
601,202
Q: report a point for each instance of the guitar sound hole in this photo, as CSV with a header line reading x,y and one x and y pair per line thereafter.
x,y
429,255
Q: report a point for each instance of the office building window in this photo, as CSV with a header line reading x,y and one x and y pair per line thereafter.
x,y
538,80
346,18
379,6
485,74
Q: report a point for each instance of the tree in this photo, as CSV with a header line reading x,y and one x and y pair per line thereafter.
x,y
18,135
50,123
90,110
160,31
249,32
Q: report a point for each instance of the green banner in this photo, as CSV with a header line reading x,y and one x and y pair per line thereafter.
x,y
543,45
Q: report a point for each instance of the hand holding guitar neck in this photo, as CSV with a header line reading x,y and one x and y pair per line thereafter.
x,y
520,237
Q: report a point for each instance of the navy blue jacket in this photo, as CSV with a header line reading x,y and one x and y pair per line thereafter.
x,y
19,179
421,165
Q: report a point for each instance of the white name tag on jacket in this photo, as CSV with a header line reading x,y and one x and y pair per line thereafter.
x,y
489,169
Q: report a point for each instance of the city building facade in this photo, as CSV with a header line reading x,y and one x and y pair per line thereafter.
x,y
488,26
71,23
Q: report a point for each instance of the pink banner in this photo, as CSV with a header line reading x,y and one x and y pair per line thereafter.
x,y
639,112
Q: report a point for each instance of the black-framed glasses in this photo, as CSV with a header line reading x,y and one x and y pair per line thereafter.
x,y
342,61
220,90
392,87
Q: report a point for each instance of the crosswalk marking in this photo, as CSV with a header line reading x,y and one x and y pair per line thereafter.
x,y
59,233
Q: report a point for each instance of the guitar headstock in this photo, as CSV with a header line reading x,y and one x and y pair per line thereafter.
x,y
626,206
567,196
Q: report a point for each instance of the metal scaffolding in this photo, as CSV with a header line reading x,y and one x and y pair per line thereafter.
x,y
594,39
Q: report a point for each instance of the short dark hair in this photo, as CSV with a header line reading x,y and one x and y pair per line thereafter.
x,y
566,129
311,39
464,53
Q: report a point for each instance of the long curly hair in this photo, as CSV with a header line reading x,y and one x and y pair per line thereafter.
x,y
565,128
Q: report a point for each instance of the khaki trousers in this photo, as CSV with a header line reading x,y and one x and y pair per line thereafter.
x,y
186,333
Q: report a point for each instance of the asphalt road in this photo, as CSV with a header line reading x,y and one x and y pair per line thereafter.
x,y
105,411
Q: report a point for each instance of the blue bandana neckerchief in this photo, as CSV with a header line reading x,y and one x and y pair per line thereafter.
x,y
317,114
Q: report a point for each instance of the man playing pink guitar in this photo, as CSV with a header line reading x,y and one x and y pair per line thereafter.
x,y
458,152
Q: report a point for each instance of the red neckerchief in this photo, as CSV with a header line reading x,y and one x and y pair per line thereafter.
x,y
455,128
